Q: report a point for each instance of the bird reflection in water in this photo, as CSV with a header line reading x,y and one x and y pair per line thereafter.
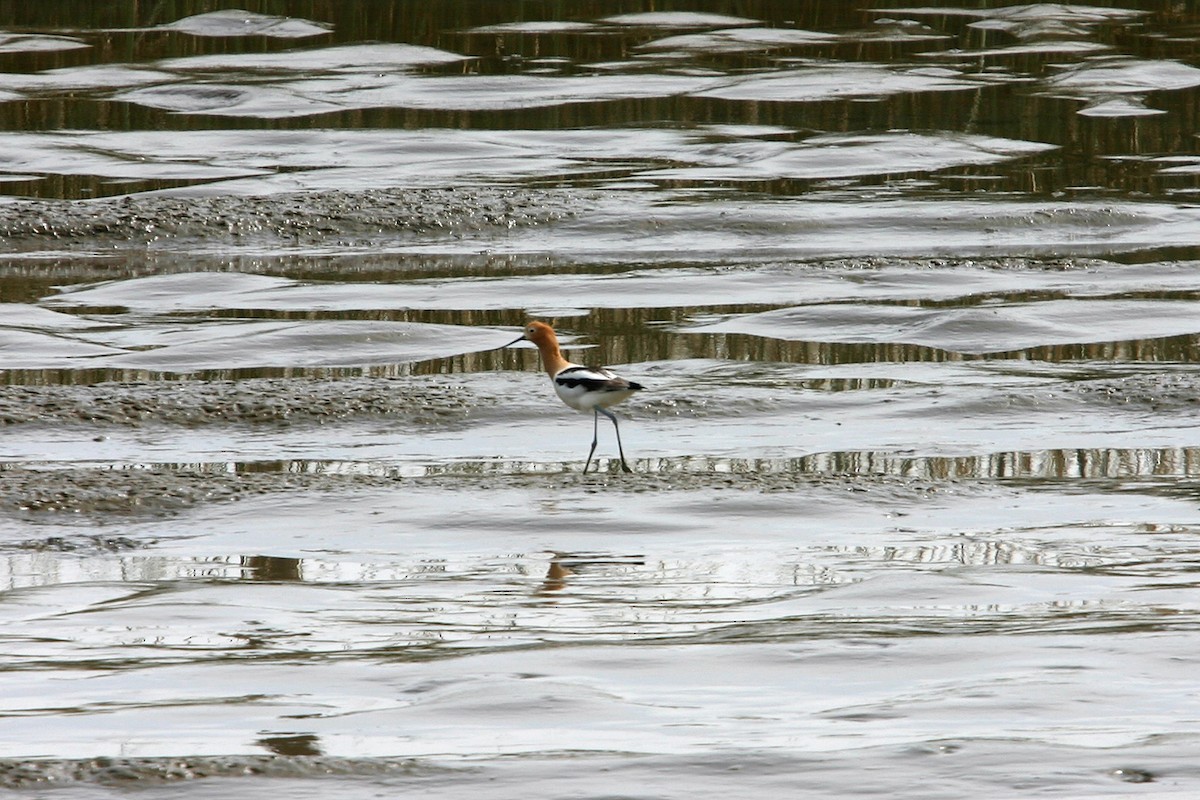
x,y
564,566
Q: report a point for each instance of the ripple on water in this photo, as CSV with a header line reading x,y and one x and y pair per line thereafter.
x,y
898,527
987,328
236,22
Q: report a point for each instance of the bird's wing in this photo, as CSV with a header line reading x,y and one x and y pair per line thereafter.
x,y
593,379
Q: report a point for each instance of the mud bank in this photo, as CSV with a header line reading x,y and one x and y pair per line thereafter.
x,y
32,775
102,492
252,402
343,218
115,492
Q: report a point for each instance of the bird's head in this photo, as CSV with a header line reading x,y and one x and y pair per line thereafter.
x,y
537,332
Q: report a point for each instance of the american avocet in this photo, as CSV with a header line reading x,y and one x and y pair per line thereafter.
x,y
582,388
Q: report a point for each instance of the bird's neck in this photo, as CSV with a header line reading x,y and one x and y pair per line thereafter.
x,y
552,359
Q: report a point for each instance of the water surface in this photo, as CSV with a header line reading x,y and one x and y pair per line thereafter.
x,y
913,291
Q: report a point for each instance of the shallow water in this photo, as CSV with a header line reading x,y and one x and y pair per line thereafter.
x,y
913,291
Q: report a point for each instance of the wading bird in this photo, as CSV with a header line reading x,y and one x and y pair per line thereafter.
x,y
582,388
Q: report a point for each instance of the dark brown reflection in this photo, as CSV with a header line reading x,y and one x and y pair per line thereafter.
x,y
652,344
626,343
27,280
271,568
297,744
1010,103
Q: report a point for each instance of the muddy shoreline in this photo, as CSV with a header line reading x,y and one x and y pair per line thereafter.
x,y
255,401
431,406
129,772
110,492
341,218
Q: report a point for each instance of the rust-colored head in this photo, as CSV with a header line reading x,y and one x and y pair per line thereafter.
x,y
540,334
543,336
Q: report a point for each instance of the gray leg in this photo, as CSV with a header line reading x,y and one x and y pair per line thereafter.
x,y
595,437
616,428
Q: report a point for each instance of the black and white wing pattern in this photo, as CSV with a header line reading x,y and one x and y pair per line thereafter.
x,y
584,388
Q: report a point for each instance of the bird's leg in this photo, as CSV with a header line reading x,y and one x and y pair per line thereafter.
x,y
595,438
616,428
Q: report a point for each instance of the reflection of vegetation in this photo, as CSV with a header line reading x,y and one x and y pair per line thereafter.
x,y
985,552
1058,463
271,568
1097,462
299,744
1005,104
620,336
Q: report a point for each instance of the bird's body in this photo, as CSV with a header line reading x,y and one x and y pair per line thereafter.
x,y
584,388
581,388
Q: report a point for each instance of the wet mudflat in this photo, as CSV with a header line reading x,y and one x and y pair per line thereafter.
x,y
916,500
